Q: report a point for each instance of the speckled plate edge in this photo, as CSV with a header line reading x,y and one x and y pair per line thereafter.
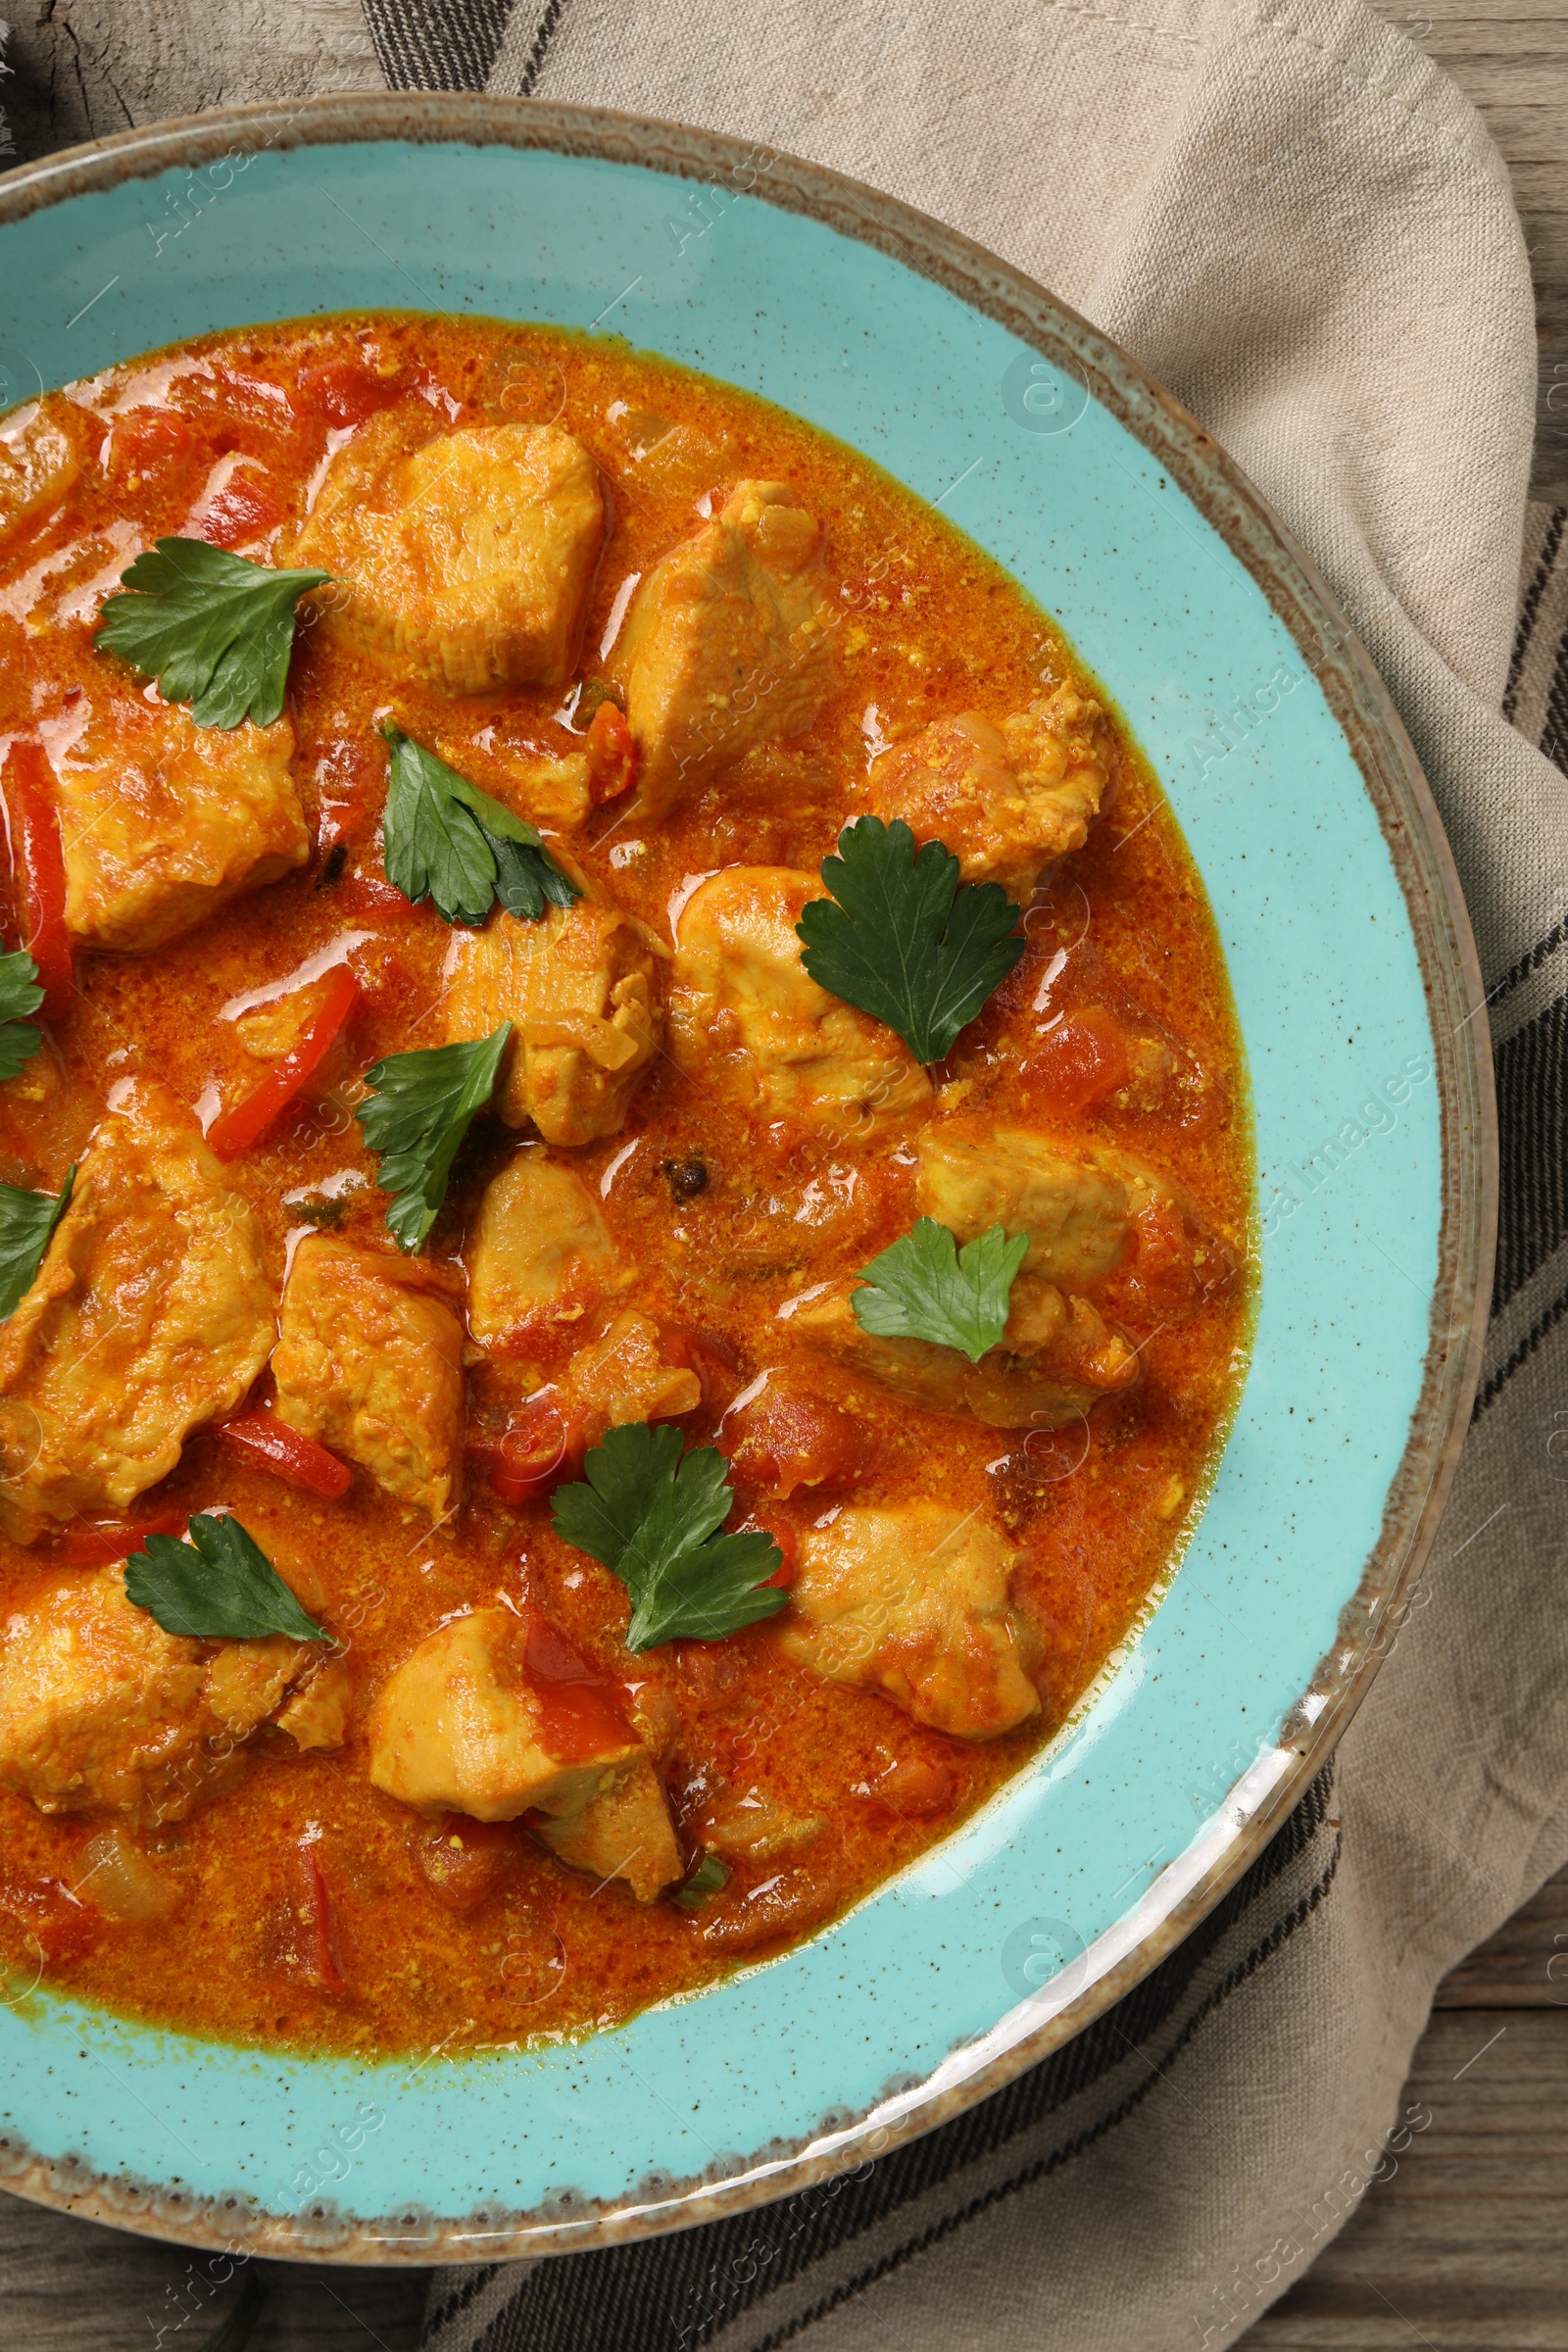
x,y
1455,1003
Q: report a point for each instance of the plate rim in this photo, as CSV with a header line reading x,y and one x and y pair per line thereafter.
x,y
1452,985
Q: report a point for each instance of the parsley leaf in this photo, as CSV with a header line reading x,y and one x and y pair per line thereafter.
x,y
214,629
26,1221
906,941
20,995
653,1517
447,841
218,1584
926,1288
419,1109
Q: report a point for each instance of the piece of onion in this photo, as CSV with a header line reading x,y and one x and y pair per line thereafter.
x,y
117,1878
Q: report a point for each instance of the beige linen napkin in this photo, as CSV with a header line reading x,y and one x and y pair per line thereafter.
x,y
1294,220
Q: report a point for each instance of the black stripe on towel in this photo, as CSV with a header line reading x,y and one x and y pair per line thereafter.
x,y
675,2293
437,44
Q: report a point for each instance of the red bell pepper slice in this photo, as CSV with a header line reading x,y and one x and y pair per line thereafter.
x,y
90,1546
367,894
316,1928
268,1443
246,1125
39,860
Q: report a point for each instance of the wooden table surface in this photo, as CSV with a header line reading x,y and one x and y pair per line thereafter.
x,y
1465,2247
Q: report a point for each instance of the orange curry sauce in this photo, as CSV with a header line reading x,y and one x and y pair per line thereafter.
x,y
307,1909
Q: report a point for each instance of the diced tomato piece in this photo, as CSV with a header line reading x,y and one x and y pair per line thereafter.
x,y
362,893
349,784
147,443
461,1860
786,1439
716,1364
580,1709
552,1656
1086,1056
240,509
346,392
787,1540
541,1448
1175,1262
88,1545
249,1120
913,1787
1164,1276
611,754
268,1443
39,864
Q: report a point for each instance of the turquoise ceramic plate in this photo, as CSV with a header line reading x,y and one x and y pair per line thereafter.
x,y
1354,977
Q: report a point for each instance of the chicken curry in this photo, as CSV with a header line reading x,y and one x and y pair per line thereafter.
x,y
624,1183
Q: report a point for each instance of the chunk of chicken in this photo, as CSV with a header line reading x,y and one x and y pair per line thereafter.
x,y
100,1707
539,1248
748,1020
272,1030
625,1375
161,821
619,1828
759,1826
1075,1204
1058,1357
1009,800
40,459
1091,1211
727,643
469,557
579,987
914,1601
316,1715
151,1313
463,1725
371,1363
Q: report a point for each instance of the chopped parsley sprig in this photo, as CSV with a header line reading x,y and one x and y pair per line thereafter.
x,y
20,996
214,629
902,938
710,1876
419,1107
926,1288
215,1585
652,1515
26,1222
447,841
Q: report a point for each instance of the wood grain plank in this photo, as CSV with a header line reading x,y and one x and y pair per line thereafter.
x,y
1527,133
1465,2246
1524,1966
70,2285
